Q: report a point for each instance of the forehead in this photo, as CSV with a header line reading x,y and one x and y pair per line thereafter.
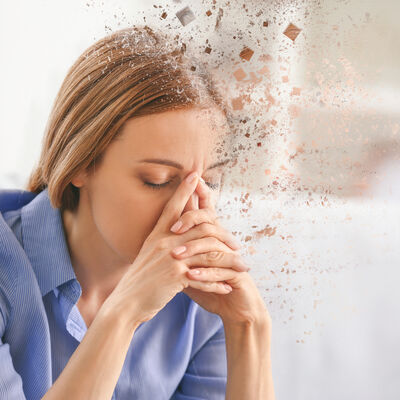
x,y
188,117
181,130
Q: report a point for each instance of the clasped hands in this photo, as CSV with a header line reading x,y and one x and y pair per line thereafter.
x,y
214,258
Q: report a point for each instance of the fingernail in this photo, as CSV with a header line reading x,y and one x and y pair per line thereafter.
x,y
191,177
179,250
195,272
175,227
227,287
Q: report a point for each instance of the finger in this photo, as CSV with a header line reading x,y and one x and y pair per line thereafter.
x,y
204,193
192,204
217,259
215,255
212,274
204,230
194,217
216,287
175,205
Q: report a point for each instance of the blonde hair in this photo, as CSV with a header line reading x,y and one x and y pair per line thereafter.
x,y
132,72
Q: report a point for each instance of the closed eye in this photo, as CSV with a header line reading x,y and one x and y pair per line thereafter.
x,y
156,186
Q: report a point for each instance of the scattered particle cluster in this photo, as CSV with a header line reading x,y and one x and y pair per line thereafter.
x,y
307,139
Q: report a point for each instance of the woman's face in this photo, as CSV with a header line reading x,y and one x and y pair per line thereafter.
x,y
126,193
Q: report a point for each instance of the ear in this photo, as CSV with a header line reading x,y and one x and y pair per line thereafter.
x,y
79,179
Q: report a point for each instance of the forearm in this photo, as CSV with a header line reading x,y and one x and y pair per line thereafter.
x,y
249,361
94,368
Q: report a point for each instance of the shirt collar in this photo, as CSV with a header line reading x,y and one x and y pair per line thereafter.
x,y
45,243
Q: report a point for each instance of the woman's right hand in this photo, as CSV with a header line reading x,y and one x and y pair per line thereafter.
x,y
155,276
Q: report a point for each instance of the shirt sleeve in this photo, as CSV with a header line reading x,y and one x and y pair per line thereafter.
x,y
206,375
10,381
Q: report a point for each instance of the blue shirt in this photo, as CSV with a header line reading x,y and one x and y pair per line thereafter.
x,y
179,354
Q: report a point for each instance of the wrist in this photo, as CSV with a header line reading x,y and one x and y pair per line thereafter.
x,y
248,347
260,323
118,315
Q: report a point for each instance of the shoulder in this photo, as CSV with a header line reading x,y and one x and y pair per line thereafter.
x,y
11,203
13,219
16,273
13,199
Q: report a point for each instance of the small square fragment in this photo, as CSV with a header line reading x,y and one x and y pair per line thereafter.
x,y
295,91
292,31
246,54
264,70
265,58
285,79
208,50
185,16
265,23
239,74
164,15
237,103
208,13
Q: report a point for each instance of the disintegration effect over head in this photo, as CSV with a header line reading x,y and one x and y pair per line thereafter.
x,y
291,90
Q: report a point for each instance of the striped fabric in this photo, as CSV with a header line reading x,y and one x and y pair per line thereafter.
x,y
179,354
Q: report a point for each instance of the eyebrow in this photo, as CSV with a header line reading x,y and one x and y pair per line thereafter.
x,y
174,164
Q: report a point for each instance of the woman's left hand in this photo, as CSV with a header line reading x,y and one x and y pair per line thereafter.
x,y
218,260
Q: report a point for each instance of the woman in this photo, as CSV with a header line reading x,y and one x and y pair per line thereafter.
x,y
97,299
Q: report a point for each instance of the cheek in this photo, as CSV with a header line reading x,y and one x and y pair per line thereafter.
x,y
125,217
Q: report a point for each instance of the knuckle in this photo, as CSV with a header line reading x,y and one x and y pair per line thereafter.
x,y
163,243
213,256
207,229
217,273
196,217
186,217
237,252
237,259
213,215
182,269
208,285
209,215
215,241
178,268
